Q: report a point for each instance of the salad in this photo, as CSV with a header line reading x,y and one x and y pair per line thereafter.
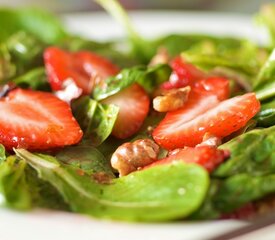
x,y
179,127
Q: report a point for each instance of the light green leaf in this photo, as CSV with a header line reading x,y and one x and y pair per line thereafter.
x,y
158,194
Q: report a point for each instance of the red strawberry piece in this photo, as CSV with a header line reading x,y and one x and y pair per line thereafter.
x,y
206,156
36,120
213,85
183,74
133,103
186,128
82,67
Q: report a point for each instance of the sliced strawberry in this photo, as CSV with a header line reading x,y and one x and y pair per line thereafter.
x,y
213,85
82,67
36,120
206,156
184,128
183,74
133,103
187,74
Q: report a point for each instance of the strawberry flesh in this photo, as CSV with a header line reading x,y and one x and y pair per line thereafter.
x,y
184,74
133,103
206,156
36,120
82,67
184,128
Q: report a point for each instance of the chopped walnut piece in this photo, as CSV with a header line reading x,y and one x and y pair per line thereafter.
x,y
161,57
171,100
210,140
131,156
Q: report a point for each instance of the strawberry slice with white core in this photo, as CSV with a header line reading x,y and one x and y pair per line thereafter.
x,y
133,103
180,128
36,120
84,68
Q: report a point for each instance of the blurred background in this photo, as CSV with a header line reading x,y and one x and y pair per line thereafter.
x,y
240,6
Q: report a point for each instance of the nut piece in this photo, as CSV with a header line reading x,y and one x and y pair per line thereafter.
x,y
171,100
131,156
210,140
161,57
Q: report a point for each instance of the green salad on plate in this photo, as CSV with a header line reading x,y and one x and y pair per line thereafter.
x,y
135,129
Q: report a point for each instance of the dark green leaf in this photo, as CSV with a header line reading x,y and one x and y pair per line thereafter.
x,y
266,116
96,119
26,51
227,195
35,79
157,194
154,76
240,189
87,158
252,152
20,53
148,77
119,82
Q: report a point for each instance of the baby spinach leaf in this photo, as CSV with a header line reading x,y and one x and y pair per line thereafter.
x,y
20,53
95,119
157,194
35,79
264,85
266,116
13,186
21,189
266,73
227,195
26,51
148,77
209,61
43,194
7,67
87,158
240,189
154,76
37,22
119,82
208,209
252,153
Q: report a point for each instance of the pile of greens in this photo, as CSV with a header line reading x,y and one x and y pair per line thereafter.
x,y
80,179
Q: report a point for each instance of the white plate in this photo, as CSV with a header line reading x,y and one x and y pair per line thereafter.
x,y
47,225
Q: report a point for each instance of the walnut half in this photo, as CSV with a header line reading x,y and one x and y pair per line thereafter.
x,y
131,156
171,100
